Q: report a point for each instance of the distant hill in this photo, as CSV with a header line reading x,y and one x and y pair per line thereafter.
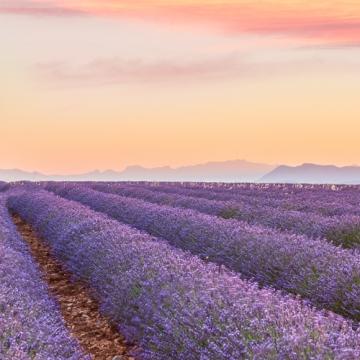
x,y
226,171
17,175
314,174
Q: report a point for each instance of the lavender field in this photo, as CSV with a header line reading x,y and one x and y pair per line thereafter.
x,y
206,271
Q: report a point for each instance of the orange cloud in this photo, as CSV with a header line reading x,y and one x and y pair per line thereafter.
x,y
318,20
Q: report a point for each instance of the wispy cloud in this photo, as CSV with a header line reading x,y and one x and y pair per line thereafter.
x,y
116,71
317,21
38,8
234,66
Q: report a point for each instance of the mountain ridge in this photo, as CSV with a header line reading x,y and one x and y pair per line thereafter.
x,y
213,171
227,171
313,174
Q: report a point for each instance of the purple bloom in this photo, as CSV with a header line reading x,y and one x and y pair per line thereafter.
x,y
298,214
171,303
31,325
315,269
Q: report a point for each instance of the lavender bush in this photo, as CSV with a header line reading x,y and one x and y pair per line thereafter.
x,y
342,230
31,326
4,186
325,200
327,275
173,304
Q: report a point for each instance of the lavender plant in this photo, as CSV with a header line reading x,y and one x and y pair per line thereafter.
x,y
327,275
4,186
341,230
175,305
326,200
31,326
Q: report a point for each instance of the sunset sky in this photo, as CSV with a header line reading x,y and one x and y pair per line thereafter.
x,y
90,84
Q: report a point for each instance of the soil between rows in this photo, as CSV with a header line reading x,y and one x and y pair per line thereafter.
x,y
95,334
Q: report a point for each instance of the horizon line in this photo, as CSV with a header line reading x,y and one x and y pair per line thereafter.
x,y
100,171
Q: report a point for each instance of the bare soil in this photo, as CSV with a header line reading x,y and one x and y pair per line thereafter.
x,y
94,332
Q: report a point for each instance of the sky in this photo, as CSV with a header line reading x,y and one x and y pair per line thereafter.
x,y
90,84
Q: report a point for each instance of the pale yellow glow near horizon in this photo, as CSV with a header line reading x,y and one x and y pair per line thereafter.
x,y
211,126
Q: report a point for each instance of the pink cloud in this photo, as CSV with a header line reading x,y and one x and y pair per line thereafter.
x,y
317,21
38,8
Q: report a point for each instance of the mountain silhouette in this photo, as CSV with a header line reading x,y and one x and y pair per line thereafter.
x,y
226,171
221,171
314,174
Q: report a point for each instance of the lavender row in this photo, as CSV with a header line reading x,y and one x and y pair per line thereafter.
x,y
31,326
173,304
329,201
327,275
259,189
342,230
3,186
322,204
323,200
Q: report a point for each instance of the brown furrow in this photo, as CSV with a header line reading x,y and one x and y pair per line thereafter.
x,y
94,332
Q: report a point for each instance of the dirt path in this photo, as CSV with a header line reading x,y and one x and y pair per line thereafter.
x,y
80,311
